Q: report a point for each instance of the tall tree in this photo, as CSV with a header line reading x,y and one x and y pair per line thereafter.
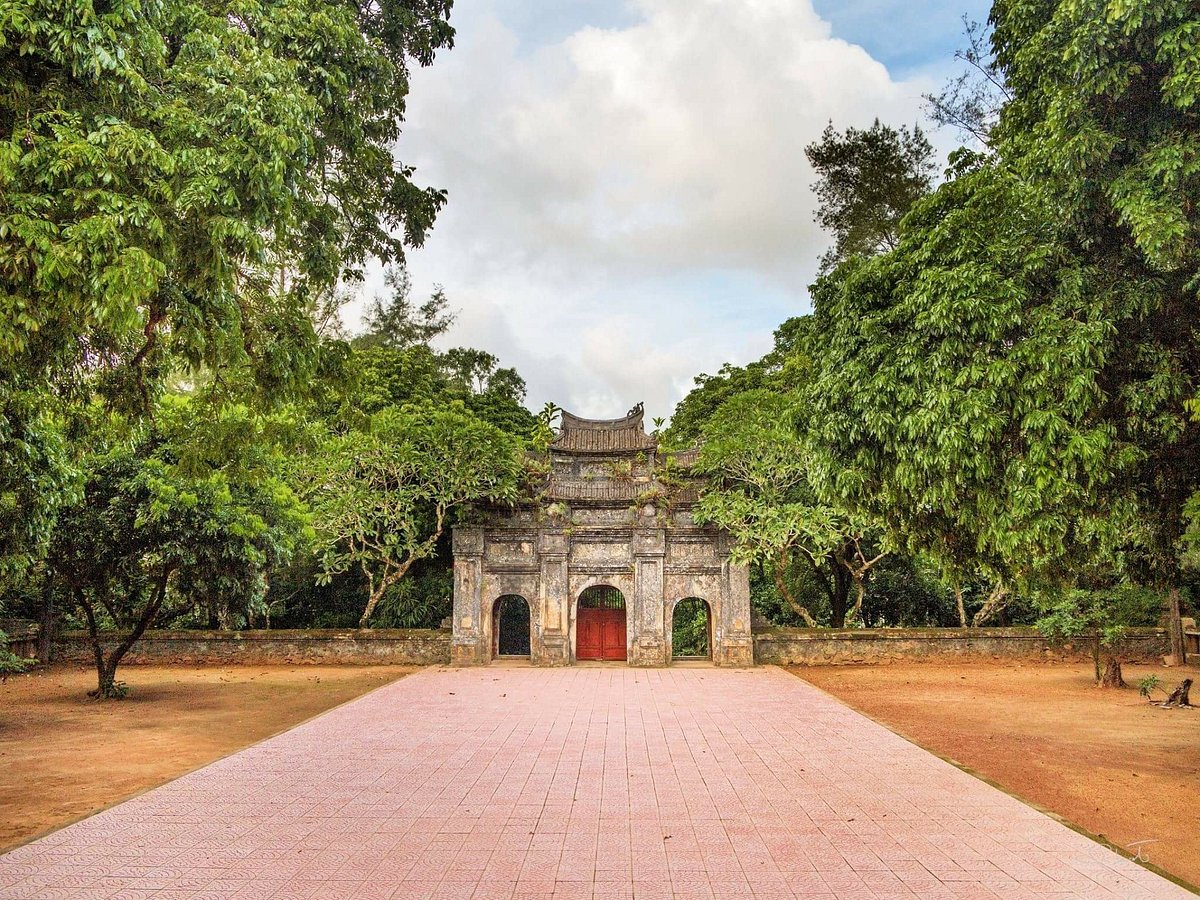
x,y
398,323
1105,120
971,101
1023,359
179,177
867,180
470,368
957,390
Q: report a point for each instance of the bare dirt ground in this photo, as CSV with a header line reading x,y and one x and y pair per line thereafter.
x,y
63,756
1102,759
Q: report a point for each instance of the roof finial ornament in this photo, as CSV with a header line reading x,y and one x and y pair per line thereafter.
x,y
637,409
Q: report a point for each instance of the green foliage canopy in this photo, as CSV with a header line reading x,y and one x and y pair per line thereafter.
x,y
961,386
383,496
180,177
37,477
867,180
1023,359
1104,124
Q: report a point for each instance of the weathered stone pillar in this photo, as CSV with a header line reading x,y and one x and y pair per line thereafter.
x,y
648,645
552,646
468,644
733,641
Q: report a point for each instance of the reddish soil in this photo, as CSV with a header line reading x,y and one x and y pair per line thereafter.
x,y
63,756
1104,760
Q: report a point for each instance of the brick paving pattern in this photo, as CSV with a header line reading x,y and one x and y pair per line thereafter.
x,y
589,782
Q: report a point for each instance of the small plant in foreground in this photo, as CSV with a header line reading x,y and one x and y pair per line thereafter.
x,y
114,690
1148,685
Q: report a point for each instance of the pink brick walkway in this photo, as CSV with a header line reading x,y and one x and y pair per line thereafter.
x,y
589,782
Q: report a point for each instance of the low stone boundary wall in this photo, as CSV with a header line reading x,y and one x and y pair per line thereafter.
x,y
22,635
780,646
365,647
828,647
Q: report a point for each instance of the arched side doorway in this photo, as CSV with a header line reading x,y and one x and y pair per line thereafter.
x,y
691,629
510,626
600,624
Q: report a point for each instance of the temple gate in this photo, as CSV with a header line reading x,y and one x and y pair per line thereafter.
x,y
601,557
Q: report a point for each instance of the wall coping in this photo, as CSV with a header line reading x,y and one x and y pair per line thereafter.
x,y
278,634
1017,632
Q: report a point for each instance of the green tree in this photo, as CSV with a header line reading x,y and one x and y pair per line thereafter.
x,y
1102,616
173,519
759,488
867,180
383,496
972,100
502,403
1023,359
1104,122
376,378
37,477
399,324
958,388
179,178
384,377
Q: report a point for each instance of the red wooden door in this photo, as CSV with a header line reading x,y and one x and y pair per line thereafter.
x,y
589,638
600,634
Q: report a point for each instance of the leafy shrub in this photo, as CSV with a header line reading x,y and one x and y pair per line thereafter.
x,y
422,601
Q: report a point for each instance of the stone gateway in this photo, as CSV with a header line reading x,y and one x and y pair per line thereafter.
x,y
600,565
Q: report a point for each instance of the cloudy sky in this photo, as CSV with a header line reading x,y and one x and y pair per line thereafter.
x,y
629,200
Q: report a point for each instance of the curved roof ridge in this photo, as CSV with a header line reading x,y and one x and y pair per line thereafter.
x,y
631,419
604,435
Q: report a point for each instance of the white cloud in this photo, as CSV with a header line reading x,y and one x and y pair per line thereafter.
x,y
630,206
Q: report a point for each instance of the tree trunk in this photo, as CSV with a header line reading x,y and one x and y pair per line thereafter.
x,y
106,669
856,566
962,607
841,594
377,592
386,581
94,638
107,687
781,586
1096,655
1178,650
994,604
45,646
860,592
1112,675
828,578
1179,696
372,601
